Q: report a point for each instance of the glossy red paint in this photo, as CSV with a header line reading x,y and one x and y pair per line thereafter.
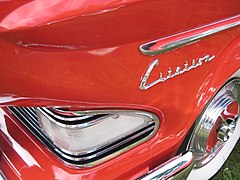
x,y
91,25
85,55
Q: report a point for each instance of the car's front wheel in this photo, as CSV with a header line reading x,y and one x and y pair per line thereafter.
x,y
216,131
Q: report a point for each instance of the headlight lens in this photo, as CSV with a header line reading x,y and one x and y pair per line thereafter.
x,y
87,132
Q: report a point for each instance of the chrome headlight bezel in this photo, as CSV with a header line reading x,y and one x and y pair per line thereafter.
x,y
87,158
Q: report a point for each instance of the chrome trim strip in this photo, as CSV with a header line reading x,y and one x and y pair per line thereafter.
x,y
77,121
93,113
194,35
178,167
2,176
69,118
74,159
89,157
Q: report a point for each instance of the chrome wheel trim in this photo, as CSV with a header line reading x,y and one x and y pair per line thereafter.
x,y
209,169
217,162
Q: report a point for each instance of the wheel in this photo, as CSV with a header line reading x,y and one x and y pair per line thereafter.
x,y
216,132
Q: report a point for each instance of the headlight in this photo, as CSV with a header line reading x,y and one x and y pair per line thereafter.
x,y
216,124
87,138
87,132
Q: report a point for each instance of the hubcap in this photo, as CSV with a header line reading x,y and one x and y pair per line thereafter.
x,y
216,124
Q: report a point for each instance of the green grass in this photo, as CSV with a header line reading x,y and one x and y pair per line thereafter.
x,y
231,169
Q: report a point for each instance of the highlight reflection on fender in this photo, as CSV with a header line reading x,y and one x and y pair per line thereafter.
x,y
178,71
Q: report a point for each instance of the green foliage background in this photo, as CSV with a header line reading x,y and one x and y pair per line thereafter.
x,y
231,169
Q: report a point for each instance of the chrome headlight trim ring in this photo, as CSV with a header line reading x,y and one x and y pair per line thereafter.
x,y
77,160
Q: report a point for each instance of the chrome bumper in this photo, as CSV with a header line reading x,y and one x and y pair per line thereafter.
x,y
178,167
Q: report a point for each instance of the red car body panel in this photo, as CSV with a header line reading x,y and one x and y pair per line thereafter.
x,y
85,55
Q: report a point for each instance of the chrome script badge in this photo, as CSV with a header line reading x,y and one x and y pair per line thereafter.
x,y
144,85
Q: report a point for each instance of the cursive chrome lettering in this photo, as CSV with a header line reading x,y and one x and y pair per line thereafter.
x,y
170,74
